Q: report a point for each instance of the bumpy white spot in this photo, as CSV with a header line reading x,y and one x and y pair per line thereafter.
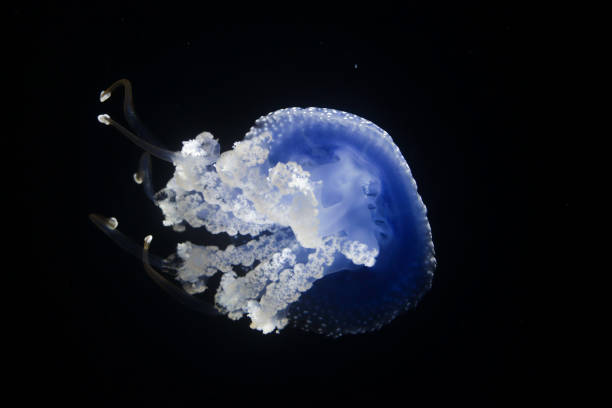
x,y
359,253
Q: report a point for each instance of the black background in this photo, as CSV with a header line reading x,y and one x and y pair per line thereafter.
x,y
448,84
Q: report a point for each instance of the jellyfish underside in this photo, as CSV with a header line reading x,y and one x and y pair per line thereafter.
x,y
338,238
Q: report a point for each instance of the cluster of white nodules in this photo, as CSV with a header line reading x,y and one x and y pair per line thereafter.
x,y
240,192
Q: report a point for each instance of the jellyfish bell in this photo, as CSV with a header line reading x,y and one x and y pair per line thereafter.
x,y
338,236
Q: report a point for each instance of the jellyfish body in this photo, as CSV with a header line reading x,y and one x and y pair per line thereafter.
x,y
339,240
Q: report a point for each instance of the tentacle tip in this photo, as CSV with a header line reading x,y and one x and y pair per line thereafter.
x,y
104,95
112,223
147,241
138,178
103,222
104,118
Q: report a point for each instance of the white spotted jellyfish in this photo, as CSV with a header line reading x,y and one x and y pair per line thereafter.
x,y
335,237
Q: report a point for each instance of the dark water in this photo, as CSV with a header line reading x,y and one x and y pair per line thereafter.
x,y
447,84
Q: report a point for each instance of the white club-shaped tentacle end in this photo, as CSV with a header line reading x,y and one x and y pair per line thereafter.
x,y
104,95
147,241
104,118
112,223
138,178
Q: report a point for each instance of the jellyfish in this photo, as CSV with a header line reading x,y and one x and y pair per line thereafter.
x,y
329,232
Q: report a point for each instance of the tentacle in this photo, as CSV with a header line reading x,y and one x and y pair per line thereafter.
x,y
128,109
174,291
156,151
109,227
143,176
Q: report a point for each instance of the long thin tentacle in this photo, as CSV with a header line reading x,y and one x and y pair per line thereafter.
x,y
141,137
128,109
109,227
156,151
